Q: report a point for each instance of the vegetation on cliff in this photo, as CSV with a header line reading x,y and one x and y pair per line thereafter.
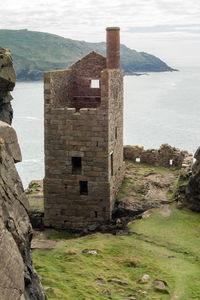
x,y
35,52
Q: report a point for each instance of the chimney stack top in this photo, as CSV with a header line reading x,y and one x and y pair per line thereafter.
x,y
112,28
113,47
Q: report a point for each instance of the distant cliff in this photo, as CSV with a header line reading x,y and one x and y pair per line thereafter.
x,y
35,52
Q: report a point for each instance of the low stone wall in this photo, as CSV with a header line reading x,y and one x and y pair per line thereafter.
x,y
165,156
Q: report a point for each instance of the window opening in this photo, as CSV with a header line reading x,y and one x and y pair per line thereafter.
x,y
76,165
137,159
96,214
111,163
83,187
95,84
171,162
115,132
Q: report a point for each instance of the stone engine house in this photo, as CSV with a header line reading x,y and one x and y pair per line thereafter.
x,y
84,165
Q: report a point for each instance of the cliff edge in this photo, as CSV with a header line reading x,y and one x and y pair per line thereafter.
x,y
19,281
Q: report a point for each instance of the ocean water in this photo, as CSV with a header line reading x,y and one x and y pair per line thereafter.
x,y
158,108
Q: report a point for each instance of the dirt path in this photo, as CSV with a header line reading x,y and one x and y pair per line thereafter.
x,y
165,210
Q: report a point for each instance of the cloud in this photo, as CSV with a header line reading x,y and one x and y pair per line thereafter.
x,y
148,25
74,13
187,28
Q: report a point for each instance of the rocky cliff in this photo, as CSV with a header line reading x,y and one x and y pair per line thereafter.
x,y
7,83
18,279
192,191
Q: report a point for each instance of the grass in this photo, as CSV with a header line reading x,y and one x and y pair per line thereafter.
x,y
178,234
126,186
164,248
35,197
36,205
145,169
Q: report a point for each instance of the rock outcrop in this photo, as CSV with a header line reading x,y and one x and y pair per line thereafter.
x,y
145,187
7,83
19,281
192,190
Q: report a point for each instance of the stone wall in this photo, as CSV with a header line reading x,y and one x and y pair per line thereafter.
x,y
114,81
57,88
165,156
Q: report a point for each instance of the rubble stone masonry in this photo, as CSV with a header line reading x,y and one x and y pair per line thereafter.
x,y
166,156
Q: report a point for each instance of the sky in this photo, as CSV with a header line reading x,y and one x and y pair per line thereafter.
x,y
169,29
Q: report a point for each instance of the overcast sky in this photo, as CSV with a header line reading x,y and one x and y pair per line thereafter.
x,y
169,29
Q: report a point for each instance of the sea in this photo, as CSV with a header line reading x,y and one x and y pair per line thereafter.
x,y
159,108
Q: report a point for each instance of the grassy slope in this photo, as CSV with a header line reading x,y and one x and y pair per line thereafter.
x,y
166,248
33,52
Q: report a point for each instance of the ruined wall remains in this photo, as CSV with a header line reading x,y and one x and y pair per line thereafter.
x,y
85,71
165,156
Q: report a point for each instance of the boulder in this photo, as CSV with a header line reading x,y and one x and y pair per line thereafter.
x,y
8,134
161,286
192,190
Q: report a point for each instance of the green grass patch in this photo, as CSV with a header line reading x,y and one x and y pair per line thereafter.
x,y
60,235
125,188
165,248
145,169
36,204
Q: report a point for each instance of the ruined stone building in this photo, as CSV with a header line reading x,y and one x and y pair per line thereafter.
x,y
84,164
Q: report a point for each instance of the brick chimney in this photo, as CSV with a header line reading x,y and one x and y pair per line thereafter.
x,y
113,48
